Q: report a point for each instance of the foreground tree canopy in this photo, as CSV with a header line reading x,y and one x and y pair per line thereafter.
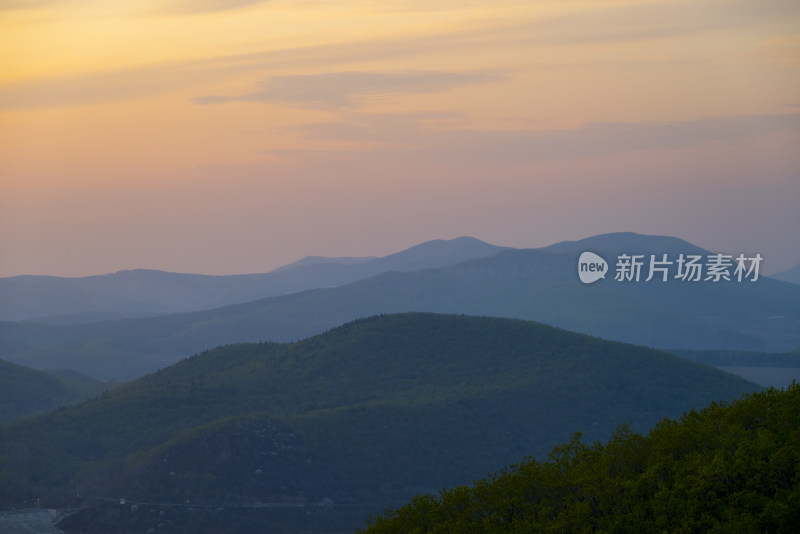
x,y
728,468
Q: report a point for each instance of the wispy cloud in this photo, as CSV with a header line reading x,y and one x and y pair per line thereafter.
x,y
20,5
175,7
657,20
186,7
339,90
381,128
617,24
127,83
97,87
590,140
604,138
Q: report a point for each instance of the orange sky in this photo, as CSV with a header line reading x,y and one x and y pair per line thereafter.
x,y
234,136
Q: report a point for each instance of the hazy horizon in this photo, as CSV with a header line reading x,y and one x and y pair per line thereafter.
x,y
373,256
215,137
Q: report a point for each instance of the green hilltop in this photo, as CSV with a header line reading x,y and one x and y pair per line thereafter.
x,y
366,414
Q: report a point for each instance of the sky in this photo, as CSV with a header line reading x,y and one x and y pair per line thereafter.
x,y
235,136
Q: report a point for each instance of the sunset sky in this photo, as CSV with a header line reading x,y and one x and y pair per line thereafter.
x,y
223,137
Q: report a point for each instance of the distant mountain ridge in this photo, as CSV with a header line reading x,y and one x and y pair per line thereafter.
x,y
309,260
791,275
145,292
531,284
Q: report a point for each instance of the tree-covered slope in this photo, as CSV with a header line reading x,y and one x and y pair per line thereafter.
x,y
727,468
25,391
365,414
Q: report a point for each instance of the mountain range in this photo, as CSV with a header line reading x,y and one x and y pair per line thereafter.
x,y
142,292
533,284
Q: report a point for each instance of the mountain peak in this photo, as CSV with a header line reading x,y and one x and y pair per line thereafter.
x,y
616,242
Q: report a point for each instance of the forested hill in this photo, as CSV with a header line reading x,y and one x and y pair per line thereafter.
x,y
25,391
366,414
727,468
